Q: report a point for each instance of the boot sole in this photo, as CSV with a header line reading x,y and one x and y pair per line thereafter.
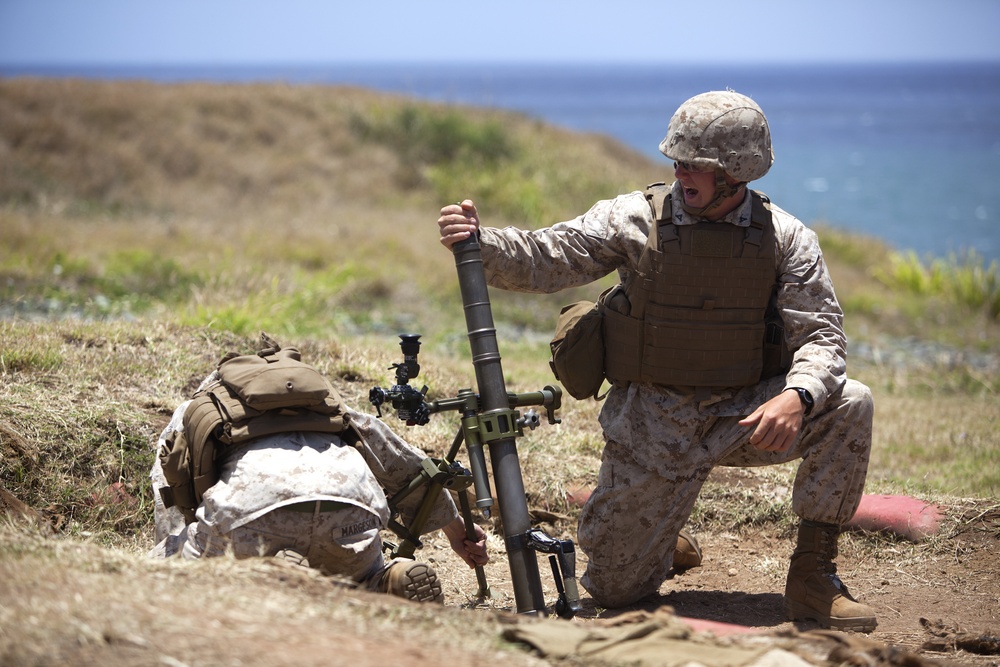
x,y
420,584
795,611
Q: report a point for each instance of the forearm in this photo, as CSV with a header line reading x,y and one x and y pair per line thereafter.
x,y
543,261
455,529
812,318
819,362
608,237
395,463
444,513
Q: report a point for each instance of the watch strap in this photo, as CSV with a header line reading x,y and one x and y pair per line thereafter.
x,y
806,398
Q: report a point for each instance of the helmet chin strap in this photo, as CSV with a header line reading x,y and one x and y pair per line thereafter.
x,y
723,190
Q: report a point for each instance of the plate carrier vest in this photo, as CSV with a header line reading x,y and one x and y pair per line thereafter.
x,y
700,309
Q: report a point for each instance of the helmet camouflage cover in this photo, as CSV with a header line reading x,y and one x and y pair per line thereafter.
x,y
721,130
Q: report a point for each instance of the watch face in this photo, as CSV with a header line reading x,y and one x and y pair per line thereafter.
x,y
805,397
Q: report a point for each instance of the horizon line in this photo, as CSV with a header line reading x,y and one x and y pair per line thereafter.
x,y
496,62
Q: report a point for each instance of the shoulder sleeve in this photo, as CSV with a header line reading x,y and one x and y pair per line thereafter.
x,y
568,254
810,311
395,463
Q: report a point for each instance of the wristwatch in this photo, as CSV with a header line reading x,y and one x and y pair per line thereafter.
x,y
805,397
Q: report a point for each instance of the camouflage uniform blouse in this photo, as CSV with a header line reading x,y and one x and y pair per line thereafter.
x,y
286,468
611,236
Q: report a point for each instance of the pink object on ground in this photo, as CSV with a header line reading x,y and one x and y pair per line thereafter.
x,y
717,628
905,516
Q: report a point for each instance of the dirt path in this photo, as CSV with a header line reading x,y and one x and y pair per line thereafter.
x,y
932,598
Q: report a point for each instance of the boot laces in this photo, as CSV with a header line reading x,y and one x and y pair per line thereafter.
x,y
840,586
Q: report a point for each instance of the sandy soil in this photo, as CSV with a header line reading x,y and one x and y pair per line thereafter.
x,y
933,597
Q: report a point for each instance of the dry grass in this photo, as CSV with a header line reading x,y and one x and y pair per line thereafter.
x,y
149,229
211,212
958,433
72,602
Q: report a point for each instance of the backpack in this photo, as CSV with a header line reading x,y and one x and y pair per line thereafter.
x,y
260,394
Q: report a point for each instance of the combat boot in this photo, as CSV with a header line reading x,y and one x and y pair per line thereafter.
x,y
687,553
293,558
412,580
813,590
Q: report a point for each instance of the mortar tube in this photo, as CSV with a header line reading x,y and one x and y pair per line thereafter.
x,y
507,477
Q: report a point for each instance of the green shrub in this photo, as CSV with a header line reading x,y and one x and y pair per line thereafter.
x,y
429,136
966,279
146,274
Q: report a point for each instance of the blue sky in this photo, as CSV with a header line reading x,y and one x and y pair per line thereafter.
x,y
326,31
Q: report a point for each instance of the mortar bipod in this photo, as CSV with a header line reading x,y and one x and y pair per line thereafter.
x,y
562,559
436,475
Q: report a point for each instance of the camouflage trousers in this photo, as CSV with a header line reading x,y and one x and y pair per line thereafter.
x,y
628,528
344,542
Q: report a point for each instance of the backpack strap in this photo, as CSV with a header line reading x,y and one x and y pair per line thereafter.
x,y
188,456
255,395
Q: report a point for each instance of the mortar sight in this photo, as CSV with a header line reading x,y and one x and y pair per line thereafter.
x,y
410,345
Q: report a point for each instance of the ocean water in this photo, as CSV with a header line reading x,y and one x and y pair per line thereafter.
x,y
908,153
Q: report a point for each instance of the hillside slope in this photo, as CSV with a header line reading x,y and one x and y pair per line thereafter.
x,y
148,229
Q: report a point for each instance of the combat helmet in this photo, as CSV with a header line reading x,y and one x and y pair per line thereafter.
x,y
721,130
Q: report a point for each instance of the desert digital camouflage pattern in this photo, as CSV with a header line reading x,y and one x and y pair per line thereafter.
x,y
247,512
721,130
662,441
